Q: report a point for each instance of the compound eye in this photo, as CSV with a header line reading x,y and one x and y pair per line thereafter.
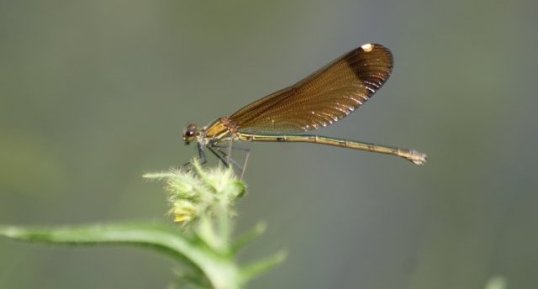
x,y
190,133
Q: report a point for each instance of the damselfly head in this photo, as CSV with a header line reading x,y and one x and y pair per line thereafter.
x,y
190,133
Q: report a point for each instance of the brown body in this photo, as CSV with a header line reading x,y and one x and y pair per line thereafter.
x,y
319,100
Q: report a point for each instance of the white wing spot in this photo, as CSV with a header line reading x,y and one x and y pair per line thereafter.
x,y
367,47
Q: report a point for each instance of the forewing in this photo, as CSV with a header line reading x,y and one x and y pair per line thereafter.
x,y
322,98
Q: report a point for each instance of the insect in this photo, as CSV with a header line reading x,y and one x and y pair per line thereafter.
x,y
323,98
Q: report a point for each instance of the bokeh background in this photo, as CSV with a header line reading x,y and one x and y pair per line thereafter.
x,y
95,93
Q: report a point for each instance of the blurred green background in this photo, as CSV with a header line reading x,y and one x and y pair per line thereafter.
x,y
95,93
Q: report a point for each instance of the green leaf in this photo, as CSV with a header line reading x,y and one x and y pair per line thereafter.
x,y
221,271
245,239
253,270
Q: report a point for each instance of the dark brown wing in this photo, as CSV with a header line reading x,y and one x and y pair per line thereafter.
x,y
322,98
